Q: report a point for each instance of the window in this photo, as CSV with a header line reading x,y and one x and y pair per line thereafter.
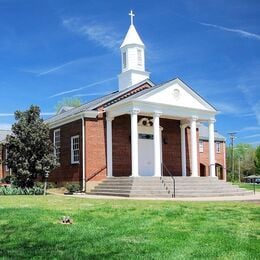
x,y
124,60
146,136
56,143
75,149
139,57
217,147
201,146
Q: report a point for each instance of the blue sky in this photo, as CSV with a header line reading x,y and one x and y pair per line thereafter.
x,y
50,50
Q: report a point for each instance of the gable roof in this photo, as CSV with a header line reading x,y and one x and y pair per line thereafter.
x,y
204,134
104,101
155,88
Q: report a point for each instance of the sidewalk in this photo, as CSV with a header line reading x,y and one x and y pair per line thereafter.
x,y
251,198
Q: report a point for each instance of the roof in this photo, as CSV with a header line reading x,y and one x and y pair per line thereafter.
x,y
204,134
132,37
3,134
94,104
145,91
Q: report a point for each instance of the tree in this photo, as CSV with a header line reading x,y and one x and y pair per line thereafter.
x,y
244,156
30,151
257,160
70,102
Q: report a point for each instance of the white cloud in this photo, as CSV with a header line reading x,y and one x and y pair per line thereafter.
x,y
81,88
249,128
6,114
251,136
233,30
226,108
50,70
92,94
5,126
104,35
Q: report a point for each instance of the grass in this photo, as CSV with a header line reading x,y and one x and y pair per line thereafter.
x,y
127,229
249,186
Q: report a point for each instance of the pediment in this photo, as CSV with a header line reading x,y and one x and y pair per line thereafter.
x,y
176,93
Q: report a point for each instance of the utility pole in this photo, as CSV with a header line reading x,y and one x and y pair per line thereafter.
x,y
232,137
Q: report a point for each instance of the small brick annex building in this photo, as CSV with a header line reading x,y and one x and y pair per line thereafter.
x,y
140,130
4,171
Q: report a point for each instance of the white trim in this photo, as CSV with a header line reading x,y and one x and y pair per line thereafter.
x,y
157,144
201,146
169,111
69,119
134,142
72,161
194,153
183,149
211,147
109,121
83,156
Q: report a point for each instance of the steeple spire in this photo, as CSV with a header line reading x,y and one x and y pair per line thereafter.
x,y
131,14
132,57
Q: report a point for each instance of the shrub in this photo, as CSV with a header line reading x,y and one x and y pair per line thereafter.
x,y
7,179
21,191
73,187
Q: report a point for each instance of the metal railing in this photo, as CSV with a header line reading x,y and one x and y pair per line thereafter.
x,y
173,179
95,173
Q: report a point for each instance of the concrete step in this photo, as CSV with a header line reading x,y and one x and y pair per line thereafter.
x,y
155,187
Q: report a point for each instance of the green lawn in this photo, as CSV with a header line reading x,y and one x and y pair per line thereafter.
x,y
127,229
249,186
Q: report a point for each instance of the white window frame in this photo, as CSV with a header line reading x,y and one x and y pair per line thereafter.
x,y
201,146
56,147
218,147
139,57
74,149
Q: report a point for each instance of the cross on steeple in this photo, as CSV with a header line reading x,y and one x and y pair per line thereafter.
x,y
132,17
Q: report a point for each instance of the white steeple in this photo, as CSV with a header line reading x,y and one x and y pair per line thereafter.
x,y
133,58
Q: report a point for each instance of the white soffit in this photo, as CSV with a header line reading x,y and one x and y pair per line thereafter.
x,y
176,93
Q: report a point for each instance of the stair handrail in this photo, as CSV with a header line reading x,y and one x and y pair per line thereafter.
x,y
95,173
173,179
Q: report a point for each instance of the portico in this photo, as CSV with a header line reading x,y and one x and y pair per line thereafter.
x,y
149,111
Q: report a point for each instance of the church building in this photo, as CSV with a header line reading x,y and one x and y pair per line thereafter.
x,y
143,129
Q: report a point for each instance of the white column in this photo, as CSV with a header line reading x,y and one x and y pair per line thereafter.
x,y
109,147
183,150
211,148
134,142
194,151
157,144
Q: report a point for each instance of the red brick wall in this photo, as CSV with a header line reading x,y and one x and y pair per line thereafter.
x,y
171,145
219,157
67,172
122,146
95,136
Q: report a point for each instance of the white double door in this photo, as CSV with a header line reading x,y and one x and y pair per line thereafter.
x,y
146,154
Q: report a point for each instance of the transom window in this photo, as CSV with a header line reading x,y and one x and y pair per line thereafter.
x,y
146,136
139,57
218,147
201,146
75,149
56,143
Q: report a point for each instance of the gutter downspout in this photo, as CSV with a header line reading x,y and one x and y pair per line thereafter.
x,y
83,155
